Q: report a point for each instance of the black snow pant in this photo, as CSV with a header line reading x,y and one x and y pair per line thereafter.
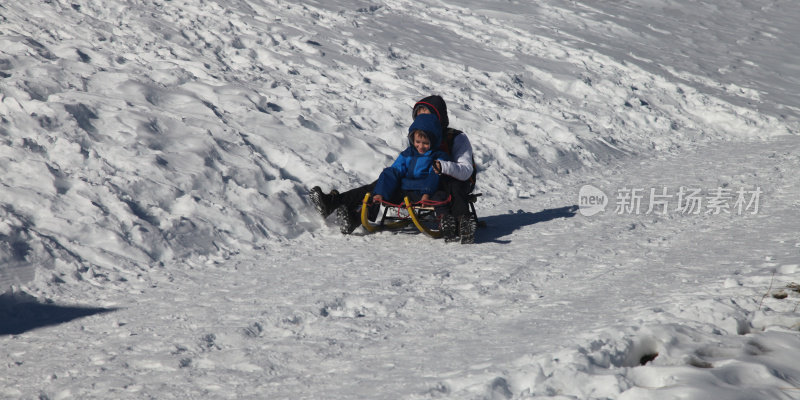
x,y
354,197
459,192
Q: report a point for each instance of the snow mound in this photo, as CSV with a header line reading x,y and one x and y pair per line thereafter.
x,y
729,344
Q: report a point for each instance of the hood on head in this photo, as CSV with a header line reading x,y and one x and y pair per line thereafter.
x,y
437,106
429,124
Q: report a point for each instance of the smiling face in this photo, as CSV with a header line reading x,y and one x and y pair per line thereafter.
x,y
421,142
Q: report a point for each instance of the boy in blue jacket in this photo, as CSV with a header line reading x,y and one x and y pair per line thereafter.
x,y
412,173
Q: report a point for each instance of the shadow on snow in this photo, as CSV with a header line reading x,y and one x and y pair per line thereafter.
x,y
498,226
20,314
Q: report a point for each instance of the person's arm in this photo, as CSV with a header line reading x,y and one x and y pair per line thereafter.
x,y
400,164
461,166
430,183
424,179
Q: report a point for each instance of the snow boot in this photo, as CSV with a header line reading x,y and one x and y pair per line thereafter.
x,y
322,202
346,220
449,228
467,228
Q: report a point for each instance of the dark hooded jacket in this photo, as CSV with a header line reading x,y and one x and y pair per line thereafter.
x,y
412,171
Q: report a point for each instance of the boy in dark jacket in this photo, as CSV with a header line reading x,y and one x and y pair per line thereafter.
x,y
412,173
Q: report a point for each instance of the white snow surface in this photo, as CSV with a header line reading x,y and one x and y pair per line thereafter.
x,y
156,240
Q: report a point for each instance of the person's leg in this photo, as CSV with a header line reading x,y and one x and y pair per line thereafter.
x,y
459,209
467,224
448,224
328,203
353,198
459,192
348,206
322,202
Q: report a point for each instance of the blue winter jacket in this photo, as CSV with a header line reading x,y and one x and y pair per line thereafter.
x,y
412,171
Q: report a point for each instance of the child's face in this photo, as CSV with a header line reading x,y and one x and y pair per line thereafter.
x,y
421,143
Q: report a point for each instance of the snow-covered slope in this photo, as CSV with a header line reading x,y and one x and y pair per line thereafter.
x,y
138,132
140,140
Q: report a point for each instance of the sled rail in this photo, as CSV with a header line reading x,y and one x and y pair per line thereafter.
x,y
407,213
401,221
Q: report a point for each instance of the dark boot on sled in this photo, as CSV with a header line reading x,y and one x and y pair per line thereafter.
x,y
449,228
324,203
467,227
347,220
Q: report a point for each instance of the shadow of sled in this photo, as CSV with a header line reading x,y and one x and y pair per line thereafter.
x,y
498,226
23,313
